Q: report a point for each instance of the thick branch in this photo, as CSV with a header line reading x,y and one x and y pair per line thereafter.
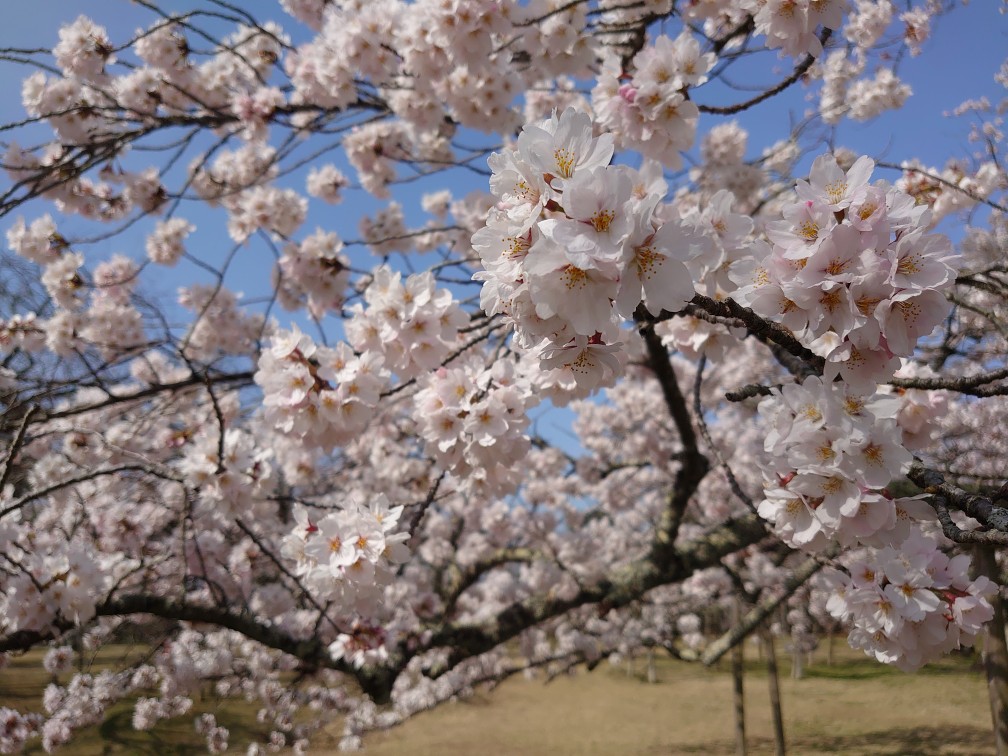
x,y
627,585
748,391
660,363
978,507
762,329
736,487
461,579
974,385
694,464
954,533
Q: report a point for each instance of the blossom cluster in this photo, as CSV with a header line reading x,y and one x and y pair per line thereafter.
x,y
16,728
575,243
228,483
111,322
788,25
909,603
411,325
147,712
143,473
949,190
830,455
64,585
791,24
323,396
473,420
853,270
164,244
81,703
314,273
348,555
650,111
216,736
222,326
38,241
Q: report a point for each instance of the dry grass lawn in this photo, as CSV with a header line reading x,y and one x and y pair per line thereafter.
x,y
853,707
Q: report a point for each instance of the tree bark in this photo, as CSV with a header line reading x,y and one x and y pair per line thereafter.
x,y
796,662
776,712
995,654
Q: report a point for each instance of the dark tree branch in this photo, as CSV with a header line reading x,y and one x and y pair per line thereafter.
x,y
15,445
978,507
800,70
736,487
749,391
694,464
973,385
765,608
766,331
625,586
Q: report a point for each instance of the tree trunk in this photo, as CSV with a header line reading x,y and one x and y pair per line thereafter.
x,y
796,662
829,648
652,673
767,643
737,661
995,655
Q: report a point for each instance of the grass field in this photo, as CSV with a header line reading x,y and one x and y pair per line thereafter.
x,y
854,706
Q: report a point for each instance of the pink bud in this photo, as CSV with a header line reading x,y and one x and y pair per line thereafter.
x,y
628,92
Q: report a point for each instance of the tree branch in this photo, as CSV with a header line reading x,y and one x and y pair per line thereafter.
x,y
764,609
978,507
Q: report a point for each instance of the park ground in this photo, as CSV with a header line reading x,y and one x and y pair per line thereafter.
x,y
854,706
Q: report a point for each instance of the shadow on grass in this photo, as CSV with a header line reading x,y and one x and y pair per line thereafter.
x,y
869,669
172,737
960,740
117,733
